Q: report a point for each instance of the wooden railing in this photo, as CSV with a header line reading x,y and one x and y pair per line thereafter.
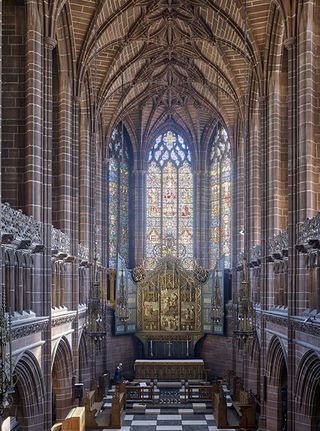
x,y
140,393
198,392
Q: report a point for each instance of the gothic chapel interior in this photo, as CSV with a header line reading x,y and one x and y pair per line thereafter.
x,y
160,215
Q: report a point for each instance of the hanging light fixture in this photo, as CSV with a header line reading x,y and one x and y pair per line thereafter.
x,y
96,309
217,306
122,311
245,321
6,362
245,325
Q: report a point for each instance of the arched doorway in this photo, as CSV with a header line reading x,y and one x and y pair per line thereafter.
x,y
84,365
28,402
308,393
277,377
62,381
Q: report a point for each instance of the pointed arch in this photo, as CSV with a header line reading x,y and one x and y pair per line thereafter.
x,y
276,361
118,179
84,366
220,198
29,398
62,379
169,197
308,383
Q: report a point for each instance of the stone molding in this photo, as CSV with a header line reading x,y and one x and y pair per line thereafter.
x,y
28,328
277,319
62,319
20,231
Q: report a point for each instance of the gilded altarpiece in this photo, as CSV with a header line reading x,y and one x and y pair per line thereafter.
x,y
169,306
169,310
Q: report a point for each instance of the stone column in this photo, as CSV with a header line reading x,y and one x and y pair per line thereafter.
x,y
264,250
293,207
112,278
139,209
46,194
201,216
74,228
84,180
34,111
254,167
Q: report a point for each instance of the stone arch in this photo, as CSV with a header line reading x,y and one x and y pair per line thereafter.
x,y
29,398
84,364
62,380
276,360
274,45
276,399
254,366
308,391
176,127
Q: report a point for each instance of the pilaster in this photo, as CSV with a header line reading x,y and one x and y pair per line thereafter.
x,y
263,101
293,207
139,229
201,216
46,195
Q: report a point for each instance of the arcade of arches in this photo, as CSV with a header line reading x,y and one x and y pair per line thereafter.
x,y
143,128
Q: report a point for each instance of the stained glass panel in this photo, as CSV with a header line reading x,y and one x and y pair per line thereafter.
x,y
220,199
118,187
170,197
153,207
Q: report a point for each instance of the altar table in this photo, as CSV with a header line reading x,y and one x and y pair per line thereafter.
x,y
169,369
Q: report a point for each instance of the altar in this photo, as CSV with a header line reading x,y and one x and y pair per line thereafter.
x,y
169,369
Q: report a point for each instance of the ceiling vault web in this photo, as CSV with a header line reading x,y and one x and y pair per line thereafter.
x,y
180,60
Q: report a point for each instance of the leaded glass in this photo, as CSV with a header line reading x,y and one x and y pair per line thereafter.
x,y
220,199
169,197
118,184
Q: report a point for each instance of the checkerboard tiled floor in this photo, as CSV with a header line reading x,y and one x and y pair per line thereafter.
x,y
194,416
175,421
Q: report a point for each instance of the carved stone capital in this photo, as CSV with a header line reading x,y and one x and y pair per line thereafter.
x,y
290,42
50,42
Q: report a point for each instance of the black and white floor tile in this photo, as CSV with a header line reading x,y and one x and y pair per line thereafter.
x,y
175,421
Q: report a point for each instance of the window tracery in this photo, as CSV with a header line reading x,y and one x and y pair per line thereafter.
x,y
220,199
118,183
169,198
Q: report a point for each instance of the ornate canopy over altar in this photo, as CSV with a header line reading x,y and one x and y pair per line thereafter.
x,y
169,306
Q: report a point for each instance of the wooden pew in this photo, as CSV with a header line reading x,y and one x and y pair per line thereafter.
x,y
93,402
243,402
75,421
118,405
246,408
219,406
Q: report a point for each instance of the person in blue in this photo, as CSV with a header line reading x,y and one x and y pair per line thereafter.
x,y
118,374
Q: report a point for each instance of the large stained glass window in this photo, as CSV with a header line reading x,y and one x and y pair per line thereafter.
x,y
169,199
220,199
118,182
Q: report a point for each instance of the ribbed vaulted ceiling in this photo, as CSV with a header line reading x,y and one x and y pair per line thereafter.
x,y
184,61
